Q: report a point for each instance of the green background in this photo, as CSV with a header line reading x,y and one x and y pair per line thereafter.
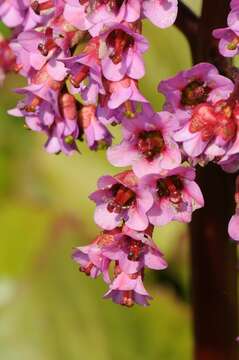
x,y
48,310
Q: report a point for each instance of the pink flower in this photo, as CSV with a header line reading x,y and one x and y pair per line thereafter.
x,y
119,199
134,251
95,16
58,123
192,87
95,131
147,143
162,13
229,36
127,290
210,132
176,195
120,92
91,258
121,53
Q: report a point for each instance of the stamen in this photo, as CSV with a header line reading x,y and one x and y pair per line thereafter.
x,y
194,93
32,106
80,76
233,44
47,47
123,199
120,41
87,269
129,113
135,248
128,299
38,7
170,187
150,144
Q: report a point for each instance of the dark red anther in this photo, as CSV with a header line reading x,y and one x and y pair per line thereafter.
x,y
48,46
120,41
135,248
83,2
87,269
128,298
123,198
33,104
38,7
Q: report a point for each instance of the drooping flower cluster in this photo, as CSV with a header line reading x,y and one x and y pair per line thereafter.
x,y
82,60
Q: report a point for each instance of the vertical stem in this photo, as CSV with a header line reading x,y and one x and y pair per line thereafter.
x,y
214,283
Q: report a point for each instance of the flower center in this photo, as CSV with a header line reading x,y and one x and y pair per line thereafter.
x,y
218,120
49,44
128,298
194,93
134,249
33,104
170,187
120,41
233,44
123,198
150,143
87,269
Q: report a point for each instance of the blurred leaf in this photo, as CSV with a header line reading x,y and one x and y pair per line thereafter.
x,y
58,314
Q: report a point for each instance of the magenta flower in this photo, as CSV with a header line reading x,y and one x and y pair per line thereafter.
x,y
121,92
27,48
119,199
121,53
94,17
127,290
61,138
162,13
85,73
229,41
210,132
12,12
91,258
176,195
147,143
95,132
134,251
229,36
192,87
59,124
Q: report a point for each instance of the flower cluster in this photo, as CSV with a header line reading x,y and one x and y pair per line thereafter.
x,y
82,60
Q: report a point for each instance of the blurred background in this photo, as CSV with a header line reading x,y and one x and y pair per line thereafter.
x,y
48,310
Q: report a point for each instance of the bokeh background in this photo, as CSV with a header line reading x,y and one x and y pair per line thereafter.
x,y
48,310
